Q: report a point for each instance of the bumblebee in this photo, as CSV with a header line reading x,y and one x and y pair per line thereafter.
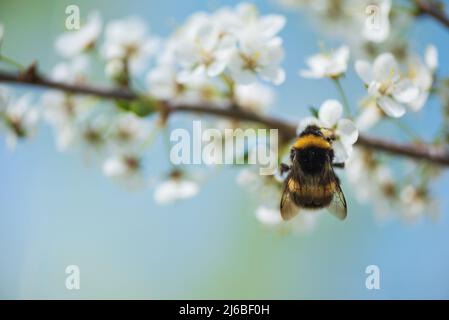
x,y
311,182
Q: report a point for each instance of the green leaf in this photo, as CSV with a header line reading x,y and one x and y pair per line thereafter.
x,y
124,105
313,111
144,106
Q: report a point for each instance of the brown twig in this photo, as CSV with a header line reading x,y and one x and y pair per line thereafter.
x,y
428,8
287,130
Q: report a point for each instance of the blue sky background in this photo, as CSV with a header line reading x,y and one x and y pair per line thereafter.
x,y
56,209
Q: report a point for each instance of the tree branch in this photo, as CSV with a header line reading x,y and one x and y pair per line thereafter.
x,y
428,8
287,130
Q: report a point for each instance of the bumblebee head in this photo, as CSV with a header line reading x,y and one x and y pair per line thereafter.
x,y
312,130
313,137
316,131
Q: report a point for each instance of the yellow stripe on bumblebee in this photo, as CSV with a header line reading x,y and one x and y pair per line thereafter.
x,y
311,141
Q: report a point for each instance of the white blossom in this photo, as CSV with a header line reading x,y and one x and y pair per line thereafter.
x,y
128,132
18,117
356,20
200,90
344,130
255,97
416,202
61,111
127,40
72,43
73,71
327,65
268,216
257,57
385,83
373,182
369,116
91,135
162,80
115,67
260,50
304,222
431,57
421,74
174,189
163,84
248,178
358,172
206,50
249,18
237,40
125,169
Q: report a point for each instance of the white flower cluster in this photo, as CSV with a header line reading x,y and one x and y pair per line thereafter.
x,y
386,85
128,46
368,27
176,187
376,185
73,43
355,20
213,56
391,90
114,138
327,65
17,117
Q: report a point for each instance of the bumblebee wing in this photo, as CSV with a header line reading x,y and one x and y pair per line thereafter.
x,y
288,207
338,204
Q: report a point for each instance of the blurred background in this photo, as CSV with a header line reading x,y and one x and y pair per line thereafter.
x,y
56,209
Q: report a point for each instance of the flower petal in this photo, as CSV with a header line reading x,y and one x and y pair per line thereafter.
x,y
268,216
165,193
369,116
364,71
273,74
341,55
271,24
330,112
318,64
431,57
243,76
405,91
187,189
216,68
347,131
385,67
305,122
341,151
339,61
391,107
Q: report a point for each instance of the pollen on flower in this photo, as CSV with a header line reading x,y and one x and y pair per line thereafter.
x,y
250,62
16,125
133,163
93,136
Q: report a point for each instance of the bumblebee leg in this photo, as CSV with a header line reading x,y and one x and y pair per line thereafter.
x,y
339,165
284,168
